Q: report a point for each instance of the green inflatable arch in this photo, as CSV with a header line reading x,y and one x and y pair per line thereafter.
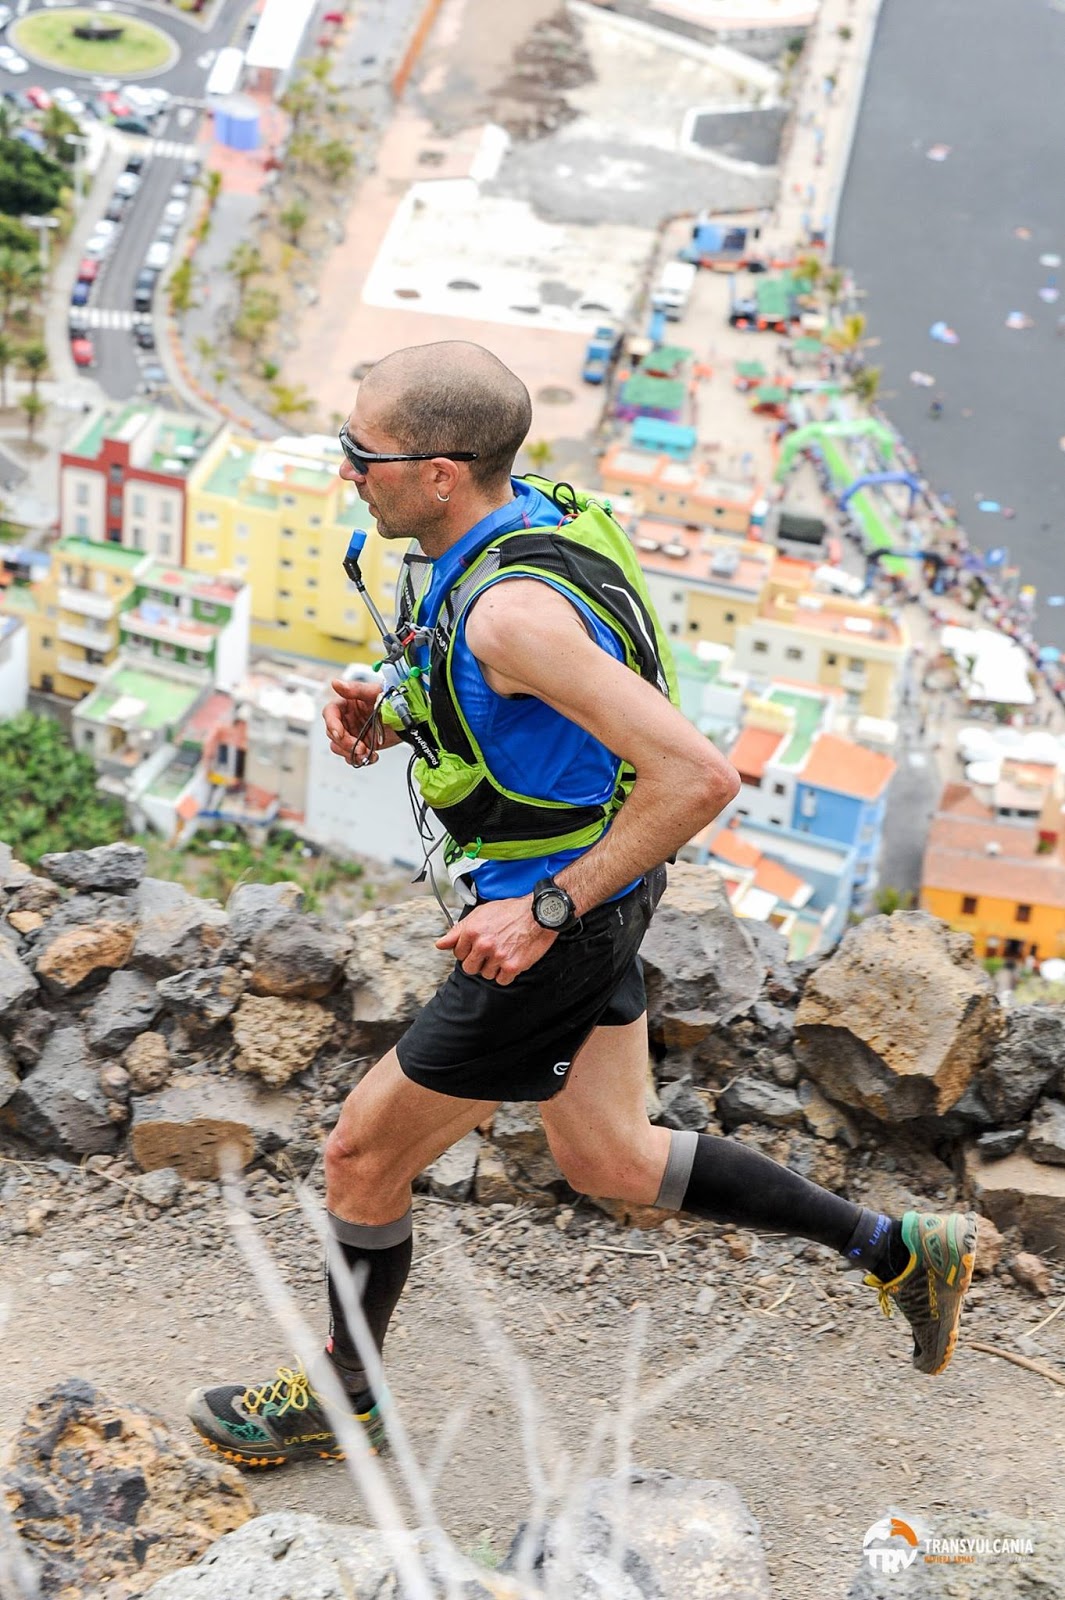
x,y
816,432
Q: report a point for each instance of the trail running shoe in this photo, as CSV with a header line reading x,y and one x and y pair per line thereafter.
x,y
271,1423
929,1292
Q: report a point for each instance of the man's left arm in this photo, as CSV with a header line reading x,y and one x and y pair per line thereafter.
x,y
528,639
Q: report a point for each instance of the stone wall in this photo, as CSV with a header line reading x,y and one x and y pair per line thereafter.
x,y
139,1023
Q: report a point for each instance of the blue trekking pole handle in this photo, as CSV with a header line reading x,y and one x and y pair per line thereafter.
x,y
351,567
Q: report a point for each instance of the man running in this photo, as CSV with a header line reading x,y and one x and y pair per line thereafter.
x,y
566,777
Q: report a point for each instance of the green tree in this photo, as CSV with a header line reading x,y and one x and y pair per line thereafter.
x,y
245,262
287,400
55,125
294,219
298,101
181,288
865,383
211,184
7,355
30,182
34,407
20,279
48,798
335,159
204,348
538,453
260,308
33,359
889,900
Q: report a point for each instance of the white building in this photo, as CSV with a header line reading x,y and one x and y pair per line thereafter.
x,y
14,666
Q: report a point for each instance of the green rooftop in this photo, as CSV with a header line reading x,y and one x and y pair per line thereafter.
x,y
173,437
165,701
229,472
101,553
19,598
808,710
658,394
105,425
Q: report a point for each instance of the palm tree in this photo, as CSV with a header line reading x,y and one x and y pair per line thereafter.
x,y
294,219
34,407
865,384
809,268
298,101
539,453
211,184
7,355
20,277
34,359
832,285
303,150
181,286
204,348
55,125
336,159
246,261
289,401
259,309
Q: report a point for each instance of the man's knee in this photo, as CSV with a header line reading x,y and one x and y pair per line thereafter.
x,y
592,1172
352,1162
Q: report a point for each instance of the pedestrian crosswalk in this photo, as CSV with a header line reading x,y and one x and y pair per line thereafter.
x,y
101,317
165,149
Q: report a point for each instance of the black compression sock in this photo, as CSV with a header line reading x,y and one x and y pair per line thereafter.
x,y
733,1183
379,1259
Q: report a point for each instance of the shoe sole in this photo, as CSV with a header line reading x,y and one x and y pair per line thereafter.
x,y
258,1463
960,1288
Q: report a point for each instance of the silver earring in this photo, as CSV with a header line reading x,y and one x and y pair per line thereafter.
x,y
444,497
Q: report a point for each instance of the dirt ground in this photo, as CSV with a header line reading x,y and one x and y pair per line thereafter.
x,y
813,1411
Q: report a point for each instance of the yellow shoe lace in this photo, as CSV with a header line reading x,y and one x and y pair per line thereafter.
x,y
289,1390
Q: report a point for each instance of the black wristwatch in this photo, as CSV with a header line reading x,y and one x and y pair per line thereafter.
x,y
552,906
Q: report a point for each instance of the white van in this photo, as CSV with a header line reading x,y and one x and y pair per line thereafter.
x,y
673,289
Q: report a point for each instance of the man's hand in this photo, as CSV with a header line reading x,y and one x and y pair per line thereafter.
x,y
346,718
499,939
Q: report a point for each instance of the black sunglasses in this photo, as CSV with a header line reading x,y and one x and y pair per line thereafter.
x,y
362,460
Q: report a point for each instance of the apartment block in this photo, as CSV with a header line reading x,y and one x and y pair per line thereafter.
x,y
279,517
123,477
25,596
180,617
88,586
14,666
686,491
704,585
825,639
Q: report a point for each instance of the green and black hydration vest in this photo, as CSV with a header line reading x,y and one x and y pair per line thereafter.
x,y
590,556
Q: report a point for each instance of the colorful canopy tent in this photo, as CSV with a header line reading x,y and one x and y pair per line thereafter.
x,y
664,438
644,396
666,361
775,298
750,369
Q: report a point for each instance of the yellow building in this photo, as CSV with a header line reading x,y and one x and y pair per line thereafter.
x,y
279,516
685,490
25,594
997,872
83,594
824,639
703,585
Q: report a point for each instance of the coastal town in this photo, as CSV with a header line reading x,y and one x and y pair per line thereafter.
x,y
696,358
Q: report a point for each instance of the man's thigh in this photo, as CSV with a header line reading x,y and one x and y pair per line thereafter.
x,y
390,1122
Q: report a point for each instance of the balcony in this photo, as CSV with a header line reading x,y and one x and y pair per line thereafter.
x,y
853,682
78,667
88,638
85,603
170,630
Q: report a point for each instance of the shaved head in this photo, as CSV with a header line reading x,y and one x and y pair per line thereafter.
x,y
452,396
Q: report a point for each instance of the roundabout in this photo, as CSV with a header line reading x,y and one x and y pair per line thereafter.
x,y
81,41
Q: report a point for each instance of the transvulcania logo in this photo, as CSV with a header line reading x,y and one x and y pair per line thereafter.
x,y
891,1545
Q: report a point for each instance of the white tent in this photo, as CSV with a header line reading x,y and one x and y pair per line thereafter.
x,y
994,669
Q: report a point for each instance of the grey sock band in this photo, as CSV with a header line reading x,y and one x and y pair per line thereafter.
x,y
367,1237
682,1146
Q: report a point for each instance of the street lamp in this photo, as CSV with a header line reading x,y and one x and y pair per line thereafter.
x,y
79,141
43,226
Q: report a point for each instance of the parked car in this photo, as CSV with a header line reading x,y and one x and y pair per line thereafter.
x,y
6,14
190,172
167,232
144,335
88,270
39,97
115,103
135,162
6,53
133,125
158,255
83,352
96,108
153,377
175,211
77,321
79,295
16,65
69,101
116,210
144,289
126,184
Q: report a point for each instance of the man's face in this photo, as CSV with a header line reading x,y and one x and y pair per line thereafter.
x,y
397,492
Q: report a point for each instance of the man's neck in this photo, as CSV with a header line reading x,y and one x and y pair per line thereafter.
x,y
460,521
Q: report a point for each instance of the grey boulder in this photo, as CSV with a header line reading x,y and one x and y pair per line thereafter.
x,y
1026,1060
701,964
115,868
60,1107
1046,1133
126,1006
17,982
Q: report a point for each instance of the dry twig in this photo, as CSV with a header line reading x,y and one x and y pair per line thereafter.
x,y
1019,1361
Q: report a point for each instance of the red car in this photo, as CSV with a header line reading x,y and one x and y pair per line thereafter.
x,y
39,97
115,104
83,352
88,270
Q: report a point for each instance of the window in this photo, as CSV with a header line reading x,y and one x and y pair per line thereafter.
x,y
285,562
315,522
46,641
778,788
830,660
855,664
114,472
969,903
288,533
693,627
808,804
678,597
166,510
167,651
312,583
730,616
81,494
138,505
1023,914
241,563
284,594
164,544
242,530
208,612
310,613
288,499
314,552
674,627
760,647
207,551
114,507
81,525
351,617
793,653
206,519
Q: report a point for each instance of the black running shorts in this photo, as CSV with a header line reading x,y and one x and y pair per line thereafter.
x,y
480,1040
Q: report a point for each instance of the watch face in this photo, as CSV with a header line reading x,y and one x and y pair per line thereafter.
x,y
552,908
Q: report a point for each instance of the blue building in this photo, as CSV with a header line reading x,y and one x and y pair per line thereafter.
x,y
841,796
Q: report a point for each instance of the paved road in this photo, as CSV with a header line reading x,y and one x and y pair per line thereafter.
x,y
932,240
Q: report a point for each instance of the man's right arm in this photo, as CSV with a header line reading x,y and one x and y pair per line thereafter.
x,y
347,723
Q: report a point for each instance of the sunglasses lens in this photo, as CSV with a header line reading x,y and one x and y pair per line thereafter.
x,y
357,460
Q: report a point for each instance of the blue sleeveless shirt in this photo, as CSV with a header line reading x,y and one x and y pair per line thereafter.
x,y
529,747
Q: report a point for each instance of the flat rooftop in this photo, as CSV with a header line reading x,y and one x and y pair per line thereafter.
x,y
678,551
161,441
808,710
102,554
856,626
179,581
136,697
